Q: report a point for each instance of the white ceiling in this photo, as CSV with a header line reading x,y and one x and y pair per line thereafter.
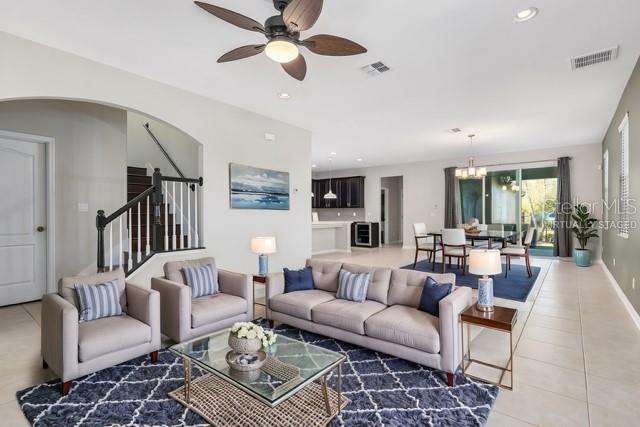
x,y
455,63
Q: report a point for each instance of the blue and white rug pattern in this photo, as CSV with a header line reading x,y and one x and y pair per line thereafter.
x,y
383,390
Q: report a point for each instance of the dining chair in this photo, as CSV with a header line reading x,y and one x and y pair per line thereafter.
x,y
454,245
519,251
495,227
480,243
425,243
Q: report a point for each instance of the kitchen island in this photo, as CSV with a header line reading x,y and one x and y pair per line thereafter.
x,y
330,236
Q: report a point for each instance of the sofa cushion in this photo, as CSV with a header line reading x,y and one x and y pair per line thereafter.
x,y
325,274
299,304
103,336
432,293
406,326
378,283
98,301
173,269
203,280
67,291
346,315
406,285
353,286
298,280
213,308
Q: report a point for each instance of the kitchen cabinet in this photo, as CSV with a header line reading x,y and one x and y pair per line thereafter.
x,y
349,192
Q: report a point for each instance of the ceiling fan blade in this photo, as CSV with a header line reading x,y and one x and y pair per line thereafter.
x,y
300,15
242,52
324,44
296,68
232,17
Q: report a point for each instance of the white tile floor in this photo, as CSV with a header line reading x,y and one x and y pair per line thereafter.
x,y
576,350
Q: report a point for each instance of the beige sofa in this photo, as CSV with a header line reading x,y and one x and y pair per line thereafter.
x,y
72,348
388,321
183,318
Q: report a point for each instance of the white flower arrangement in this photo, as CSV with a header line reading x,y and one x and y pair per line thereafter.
x,y
252,331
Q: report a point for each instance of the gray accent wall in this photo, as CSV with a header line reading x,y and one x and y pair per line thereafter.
x,y
624,251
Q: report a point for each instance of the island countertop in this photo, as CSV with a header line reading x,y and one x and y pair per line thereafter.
x,y
330,236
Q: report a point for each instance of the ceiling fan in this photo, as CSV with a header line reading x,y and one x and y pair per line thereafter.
x,y
283,34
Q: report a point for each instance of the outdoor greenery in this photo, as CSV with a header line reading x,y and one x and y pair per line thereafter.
x,y
538,207
584,225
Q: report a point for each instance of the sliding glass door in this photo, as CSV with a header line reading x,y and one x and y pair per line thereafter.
x,y
515,200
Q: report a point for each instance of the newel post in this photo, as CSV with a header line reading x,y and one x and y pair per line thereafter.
x,y
100,225
157,211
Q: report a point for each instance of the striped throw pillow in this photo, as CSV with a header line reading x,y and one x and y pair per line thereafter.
x,y
353,286
98,301
202,280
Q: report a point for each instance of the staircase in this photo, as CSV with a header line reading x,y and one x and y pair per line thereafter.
x,y
161,215
137,182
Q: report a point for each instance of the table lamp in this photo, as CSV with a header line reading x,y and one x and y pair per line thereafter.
x,y
263,246
485,262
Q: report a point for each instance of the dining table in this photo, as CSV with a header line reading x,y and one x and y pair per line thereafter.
x,y
490,236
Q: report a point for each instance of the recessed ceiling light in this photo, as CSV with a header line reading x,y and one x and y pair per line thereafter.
x,y
333,153
359,159
284,95
526,14
314,166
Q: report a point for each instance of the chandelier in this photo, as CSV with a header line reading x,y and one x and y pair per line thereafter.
x,y
471,171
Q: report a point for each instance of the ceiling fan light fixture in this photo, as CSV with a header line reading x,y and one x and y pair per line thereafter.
x,y
282,50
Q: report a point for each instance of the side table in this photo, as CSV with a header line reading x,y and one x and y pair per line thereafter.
x,y
257,278
501,319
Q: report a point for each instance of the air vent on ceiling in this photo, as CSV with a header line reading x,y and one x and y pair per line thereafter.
x,y
454,130
376,68
594,58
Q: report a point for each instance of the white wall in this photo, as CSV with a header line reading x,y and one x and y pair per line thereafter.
x,y
141,150
423,183
91,152
227,134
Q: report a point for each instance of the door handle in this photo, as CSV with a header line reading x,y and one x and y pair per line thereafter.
x,y
40,229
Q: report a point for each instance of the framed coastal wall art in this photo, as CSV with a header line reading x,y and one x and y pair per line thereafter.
x,y
257,188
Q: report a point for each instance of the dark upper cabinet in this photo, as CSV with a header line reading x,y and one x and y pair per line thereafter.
x,y
349,192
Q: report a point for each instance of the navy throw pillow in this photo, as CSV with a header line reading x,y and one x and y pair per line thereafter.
x,y
301,280
432,293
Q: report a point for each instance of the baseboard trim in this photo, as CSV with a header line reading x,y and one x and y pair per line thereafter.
x,y
625,301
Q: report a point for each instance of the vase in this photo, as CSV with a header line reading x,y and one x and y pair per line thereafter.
x,y
582,257
244,345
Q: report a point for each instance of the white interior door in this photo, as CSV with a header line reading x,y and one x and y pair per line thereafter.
x,y
22,221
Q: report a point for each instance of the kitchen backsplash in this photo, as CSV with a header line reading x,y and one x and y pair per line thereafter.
x,y
341,214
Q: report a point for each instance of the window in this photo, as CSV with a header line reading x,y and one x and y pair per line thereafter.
x,y
624,177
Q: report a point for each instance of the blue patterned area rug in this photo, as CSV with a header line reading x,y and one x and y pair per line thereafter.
x,y
383,390
516,286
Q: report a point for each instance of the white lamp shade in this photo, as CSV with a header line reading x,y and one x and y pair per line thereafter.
x,y
485,262
263,245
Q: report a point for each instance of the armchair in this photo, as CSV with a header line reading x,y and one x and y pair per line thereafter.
x,y
72,348
183,318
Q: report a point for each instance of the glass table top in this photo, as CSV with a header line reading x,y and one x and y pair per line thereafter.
x,y
492,234
290,365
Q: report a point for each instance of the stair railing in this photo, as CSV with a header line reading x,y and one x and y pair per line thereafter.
x,y
157,235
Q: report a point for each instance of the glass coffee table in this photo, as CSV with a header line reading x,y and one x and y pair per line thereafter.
x,y
284,384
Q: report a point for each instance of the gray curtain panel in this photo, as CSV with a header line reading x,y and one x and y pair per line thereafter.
x,y
450,208
563,242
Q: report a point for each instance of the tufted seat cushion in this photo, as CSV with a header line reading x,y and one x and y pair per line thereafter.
x,y
346,315
406,326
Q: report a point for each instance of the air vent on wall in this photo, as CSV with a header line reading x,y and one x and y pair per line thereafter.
x,y
376,68
594,58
